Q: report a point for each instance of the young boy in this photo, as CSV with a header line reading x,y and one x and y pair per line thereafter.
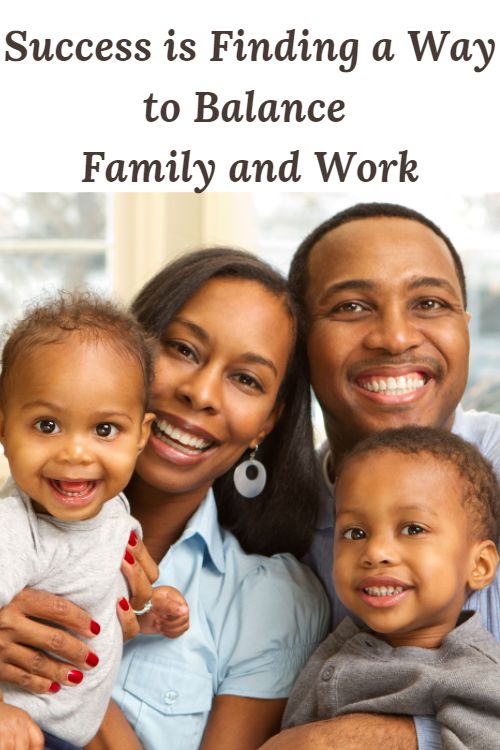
x,y
416,531
73,394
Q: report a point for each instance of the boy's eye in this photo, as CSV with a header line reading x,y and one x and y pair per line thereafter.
x,y
47,426
106,430
412,529
354,534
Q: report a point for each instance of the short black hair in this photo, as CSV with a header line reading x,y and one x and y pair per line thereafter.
x,y
299,276
480,488
54,319
282,518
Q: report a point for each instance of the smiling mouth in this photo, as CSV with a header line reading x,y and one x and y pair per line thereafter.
x,y
74,491
383,590
186,442
400,385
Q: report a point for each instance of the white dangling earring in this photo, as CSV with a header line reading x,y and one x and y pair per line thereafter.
x,y
250,476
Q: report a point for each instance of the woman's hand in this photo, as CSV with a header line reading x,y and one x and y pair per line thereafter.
x,y
21,637
141,572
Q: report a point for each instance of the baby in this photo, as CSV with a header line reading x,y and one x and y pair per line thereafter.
x,y
416,528
73,394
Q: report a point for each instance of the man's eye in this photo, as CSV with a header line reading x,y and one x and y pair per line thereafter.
x,y
412,529
431,304
349,307
354,534
106,430
47,426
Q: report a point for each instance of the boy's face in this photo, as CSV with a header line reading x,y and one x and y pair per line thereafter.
x,y
73,424
403,555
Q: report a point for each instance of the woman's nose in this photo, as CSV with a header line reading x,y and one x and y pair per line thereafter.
x,y
201,390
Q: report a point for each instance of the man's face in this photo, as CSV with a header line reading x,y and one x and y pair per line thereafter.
x,y
388,337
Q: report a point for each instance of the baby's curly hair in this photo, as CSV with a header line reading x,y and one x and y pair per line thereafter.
x,y
480,490
95,319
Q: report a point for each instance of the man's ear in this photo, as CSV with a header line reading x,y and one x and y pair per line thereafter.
x,y
147,421
268,425
484,565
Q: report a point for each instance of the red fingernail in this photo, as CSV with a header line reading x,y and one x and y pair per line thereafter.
x,y
54,687
75,676
124,604
92,659
128,557
95,628
132,540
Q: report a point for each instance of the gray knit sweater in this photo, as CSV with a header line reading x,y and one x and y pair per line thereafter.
x,y
459,683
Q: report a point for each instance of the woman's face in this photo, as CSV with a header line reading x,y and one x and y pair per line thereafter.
x,y
221,363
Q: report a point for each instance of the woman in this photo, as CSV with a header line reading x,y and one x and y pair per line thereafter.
x,y
230,379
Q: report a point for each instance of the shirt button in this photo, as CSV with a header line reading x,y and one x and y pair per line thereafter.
x,y
327,674
170,697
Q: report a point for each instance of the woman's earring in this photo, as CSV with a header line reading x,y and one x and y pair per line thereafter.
x,y
250,476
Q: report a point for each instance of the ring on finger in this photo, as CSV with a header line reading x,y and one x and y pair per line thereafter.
x,y
147,607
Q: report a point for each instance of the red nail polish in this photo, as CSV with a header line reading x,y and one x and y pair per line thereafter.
x,y
95,628
54,687
92,659
75,676
123,603
132,540
128,557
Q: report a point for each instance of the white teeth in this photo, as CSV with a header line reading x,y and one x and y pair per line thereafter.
x,y
165,430
394,386
383,590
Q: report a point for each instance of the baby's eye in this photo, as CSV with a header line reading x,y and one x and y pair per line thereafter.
x,y
47,426
354,534
106,430
412,529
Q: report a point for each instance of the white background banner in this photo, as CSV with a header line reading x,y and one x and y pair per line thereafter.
x,y
355,94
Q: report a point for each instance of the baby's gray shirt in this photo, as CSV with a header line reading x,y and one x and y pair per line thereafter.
x,y
79,560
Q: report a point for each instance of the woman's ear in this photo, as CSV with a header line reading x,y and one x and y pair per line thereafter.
x,y
268,425
484,565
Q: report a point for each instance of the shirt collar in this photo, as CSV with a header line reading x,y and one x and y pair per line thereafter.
x,y
204,523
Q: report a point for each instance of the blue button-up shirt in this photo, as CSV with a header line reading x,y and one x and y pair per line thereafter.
x,y
254,621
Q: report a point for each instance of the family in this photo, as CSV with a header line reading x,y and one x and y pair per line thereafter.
x,y
196,406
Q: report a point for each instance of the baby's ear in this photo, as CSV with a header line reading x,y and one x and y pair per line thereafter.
x,y
485,561
147,421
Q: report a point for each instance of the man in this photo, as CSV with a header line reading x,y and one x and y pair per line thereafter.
x,y
384,293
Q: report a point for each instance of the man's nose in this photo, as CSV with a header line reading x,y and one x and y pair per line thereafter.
x,y
393,330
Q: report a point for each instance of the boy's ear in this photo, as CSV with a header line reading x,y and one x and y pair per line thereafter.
x,y
485,561
147,421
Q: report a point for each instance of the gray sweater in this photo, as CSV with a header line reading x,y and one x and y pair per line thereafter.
x,y
81,561
459,683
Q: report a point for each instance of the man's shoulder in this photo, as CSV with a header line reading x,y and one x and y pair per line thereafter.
x,y
481,428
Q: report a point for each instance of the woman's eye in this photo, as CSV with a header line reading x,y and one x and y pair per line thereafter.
x,y
248,381
354,534
183,349
106,430
349,307
47,426
412,529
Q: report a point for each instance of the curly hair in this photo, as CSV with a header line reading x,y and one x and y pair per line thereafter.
x,y
480,488
86,313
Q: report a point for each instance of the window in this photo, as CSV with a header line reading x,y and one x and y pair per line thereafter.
x,y
50,241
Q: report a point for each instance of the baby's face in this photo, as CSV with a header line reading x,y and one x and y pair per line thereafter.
x,y
403,556
73,425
